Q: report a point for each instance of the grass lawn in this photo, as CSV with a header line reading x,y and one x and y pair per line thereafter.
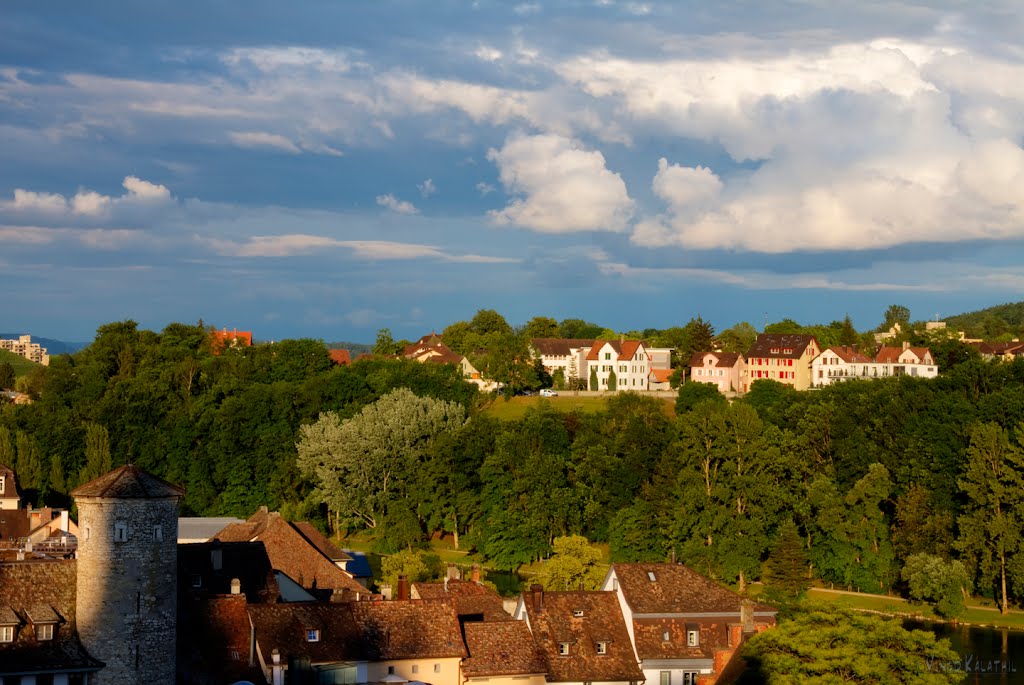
x,y
975,615
21,365
514,408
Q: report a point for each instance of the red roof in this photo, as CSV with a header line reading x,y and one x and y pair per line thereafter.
x,y
662,375
850,355
725,360
233,338
625,349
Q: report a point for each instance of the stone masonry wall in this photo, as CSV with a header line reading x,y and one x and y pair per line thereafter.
x,y
127,587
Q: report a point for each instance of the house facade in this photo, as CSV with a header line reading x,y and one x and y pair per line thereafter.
x,y
782,357
685,629
568,355
908,361
727,371
24,347
627,361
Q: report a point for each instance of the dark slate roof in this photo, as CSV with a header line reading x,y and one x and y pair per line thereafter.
x,y
468,598
42,591
128,482
501,648
551,347
359,567
676,589
246,561
359,631
794,342
553,618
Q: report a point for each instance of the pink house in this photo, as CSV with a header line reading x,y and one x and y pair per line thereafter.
x,y
725,370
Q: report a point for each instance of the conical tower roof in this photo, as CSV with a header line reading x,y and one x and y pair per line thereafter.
x,y
128,482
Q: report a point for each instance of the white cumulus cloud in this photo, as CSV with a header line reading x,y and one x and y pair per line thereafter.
x,y
562,187
391,202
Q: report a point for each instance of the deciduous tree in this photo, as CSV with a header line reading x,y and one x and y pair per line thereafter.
x,y
574,565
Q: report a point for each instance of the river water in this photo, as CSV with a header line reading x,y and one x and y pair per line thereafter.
x,y
991,656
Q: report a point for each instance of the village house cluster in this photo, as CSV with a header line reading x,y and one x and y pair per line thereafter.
x,y
271,601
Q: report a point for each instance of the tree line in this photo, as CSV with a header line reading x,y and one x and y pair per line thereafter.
x,y
867,476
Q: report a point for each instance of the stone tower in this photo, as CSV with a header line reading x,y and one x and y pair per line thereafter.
x,y
127,575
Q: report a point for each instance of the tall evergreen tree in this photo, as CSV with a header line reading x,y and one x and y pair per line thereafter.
x,y
7,455
97,453
785,569
29,468
7,376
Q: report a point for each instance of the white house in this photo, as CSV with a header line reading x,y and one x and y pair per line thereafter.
x,y
627,360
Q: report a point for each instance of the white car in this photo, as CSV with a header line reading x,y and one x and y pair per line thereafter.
x,y
548,392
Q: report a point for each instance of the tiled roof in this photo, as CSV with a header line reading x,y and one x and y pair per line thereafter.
x,y
44,591
722,359
850,355
766,342
675,589
550,347
360,631
340,357
438,354
662,375
501,648
291,552
467,597
317,539
649,635
225,337
581,620
14,524
624,349
128,482
10,483
891,355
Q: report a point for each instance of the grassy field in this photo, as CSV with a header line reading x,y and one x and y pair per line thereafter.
x,y
514,408
975,614
21,365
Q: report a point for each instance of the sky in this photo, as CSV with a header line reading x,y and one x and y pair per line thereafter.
x,y
326,169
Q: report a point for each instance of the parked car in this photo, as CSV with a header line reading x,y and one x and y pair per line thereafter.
x,y
548,392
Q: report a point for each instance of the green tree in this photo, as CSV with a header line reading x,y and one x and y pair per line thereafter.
x,y
895,314
593,378
739,338
97,453
612,381
693,393
698,336
385,345
576,564
28,463
932,579
990,527
7,453
416,566
578,329
7,376
361,464
848,334
785,569
57,480
541,327
821,645
920,525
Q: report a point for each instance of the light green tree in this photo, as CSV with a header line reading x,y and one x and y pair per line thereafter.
x,y
416,566
932,579
97,453
822,645
361,464
29,465
575,563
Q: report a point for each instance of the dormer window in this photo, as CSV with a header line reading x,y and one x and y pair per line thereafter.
x,y
578,613
563,649
312,635
665,636
44,631
602,647
692,638
6,633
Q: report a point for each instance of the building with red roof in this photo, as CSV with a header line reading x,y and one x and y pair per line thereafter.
x,y
727,371
618,364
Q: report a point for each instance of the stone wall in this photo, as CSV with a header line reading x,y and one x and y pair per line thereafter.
x,y
127,587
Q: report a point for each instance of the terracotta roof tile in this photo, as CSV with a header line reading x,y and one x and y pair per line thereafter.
x,y
317,539
467,597
498,648
850,355
725,360
128,482
624,349
662,375
675,589
560,346
581,621
340,357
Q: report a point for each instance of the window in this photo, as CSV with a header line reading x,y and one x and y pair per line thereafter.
x,y
415,668
692,638
690,678
437,668
88,532
120,531
602,647
563,648
197,580
665,636
6,633
44,631
665,678
650,576
391,670
578,613
607,355
3,480
312,635
158,533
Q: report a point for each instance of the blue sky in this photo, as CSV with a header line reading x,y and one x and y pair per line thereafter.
x,y
327,169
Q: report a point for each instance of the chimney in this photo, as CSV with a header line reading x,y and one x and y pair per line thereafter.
x,y
906,344
236,586
64,526
475,573
747,615
537,596
403,587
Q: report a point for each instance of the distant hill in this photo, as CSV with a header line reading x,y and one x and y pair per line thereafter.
x,y
355,348
990,323
53,347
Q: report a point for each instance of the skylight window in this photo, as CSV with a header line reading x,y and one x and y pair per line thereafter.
x,y
650,576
